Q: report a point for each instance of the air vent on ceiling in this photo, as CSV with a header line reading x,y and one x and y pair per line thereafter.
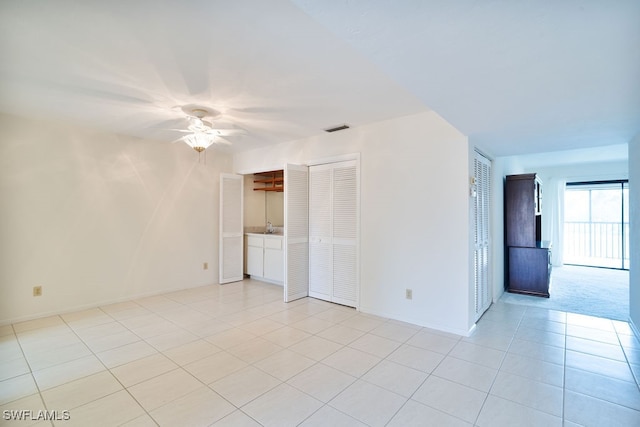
x,y
337,128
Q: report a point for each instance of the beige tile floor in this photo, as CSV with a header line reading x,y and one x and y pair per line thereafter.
x,y
236,355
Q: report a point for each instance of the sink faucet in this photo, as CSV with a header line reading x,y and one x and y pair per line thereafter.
x,y
269,227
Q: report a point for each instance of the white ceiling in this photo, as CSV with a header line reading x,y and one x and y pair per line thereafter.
x,y
517,77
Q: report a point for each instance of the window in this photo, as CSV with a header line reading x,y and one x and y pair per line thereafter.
x,y
596,224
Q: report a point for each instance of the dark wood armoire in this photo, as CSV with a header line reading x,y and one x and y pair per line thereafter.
x,y
528,257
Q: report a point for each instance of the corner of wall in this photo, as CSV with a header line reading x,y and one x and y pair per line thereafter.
x,y
634,227
497,229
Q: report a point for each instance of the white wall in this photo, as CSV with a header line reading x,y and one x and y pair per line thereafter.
x,y
260,206
634,228
275,208
600,171
96,218
414,214
254,204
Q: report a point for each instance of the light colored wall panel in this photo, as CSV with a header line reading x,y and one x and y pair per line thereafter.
x,y
634,228
96,218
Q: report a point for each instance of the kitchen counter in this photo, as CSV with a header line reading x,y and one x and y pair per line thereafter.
x,y
278,234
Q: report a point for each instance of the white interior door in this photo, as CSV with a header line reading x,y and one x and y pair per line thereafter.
x,y
231,231
345,212
320,232
333,232
296,232
482,202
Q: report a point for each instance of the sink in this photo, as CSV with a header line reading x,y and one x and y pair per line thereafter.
x,y
276,233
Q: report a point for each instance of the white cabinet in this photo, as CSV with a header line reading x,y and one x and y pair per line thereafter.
x,y
273,258
255,259
265,257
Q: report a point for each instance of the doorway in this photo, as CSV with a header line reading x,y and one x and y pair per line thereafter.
x,y
593,277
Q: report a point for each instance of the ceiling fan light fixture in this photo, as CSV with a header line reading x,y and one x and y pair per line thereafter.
x,y
199,141
199,111
199,125
202,135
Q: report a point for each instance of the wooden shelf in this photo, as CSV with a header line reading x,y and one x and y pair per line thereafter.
x,y
269,181
272,180
279,172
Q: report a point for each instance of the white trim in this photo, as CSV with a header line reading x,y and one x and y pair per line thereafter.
x,y
413,321
318,295
634,328
98,304
483,154
335,159
260,170
264,279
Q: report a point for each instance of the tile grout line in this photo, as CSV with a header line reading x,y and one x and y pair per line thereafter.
x,y
564,375
484,402
626,357
33,378
108,370
254,309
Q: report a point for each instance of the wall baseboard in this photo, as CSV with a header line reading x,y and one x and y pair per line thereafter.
x,y
634,329
5,322
407,319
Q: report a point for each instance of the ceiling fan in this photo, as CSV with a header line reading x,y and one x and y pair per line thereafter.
x,y
200,132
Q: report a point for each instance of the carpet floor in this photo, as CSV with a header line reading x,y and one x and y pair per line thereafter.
x,y
592,291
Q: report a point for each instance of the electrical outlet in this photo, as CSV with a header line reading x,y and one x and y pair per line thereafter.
x,y
408,294
37,291
205,266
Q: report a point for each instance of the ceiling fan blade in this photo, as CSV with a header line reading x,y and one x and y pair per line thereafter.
x,y
100,90
259,110
217,140
168,123
178,140
226,132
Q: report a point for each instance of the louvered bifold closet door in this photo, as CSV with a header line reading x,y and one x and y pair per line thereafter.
x,y
477,212
333,232
345,232
231,232
320,233
486,208
482,202
296,229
